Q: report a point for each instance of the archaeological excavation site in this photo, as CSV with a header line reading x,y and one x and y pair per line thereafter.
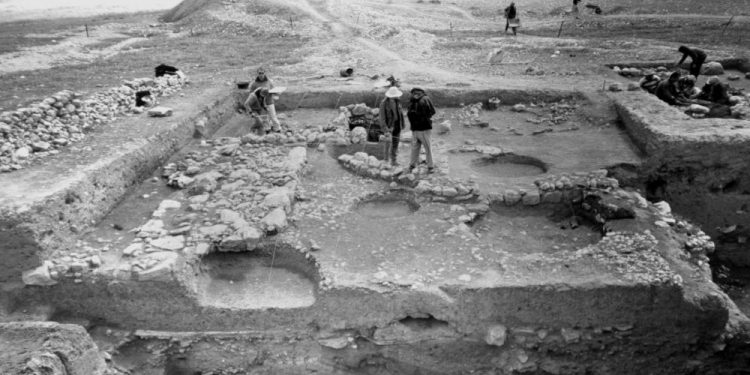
x,y
572,222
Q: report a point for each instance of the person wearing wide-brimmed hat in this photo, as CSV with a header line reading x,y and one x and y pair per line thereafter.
x,y
420,114
391,120
260,100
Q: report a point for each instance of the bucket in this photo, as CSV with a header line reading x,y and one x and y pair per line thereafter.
x,y
243,85
346,72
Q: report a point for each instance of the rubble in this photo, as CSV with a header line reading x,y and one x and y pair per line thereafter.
x,y
64,117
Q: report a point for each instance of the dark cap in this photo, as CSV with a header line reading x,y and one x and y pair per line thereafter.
x,y
416,89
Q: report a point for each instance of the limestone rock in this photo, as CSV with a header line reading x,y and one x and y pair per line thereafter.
x,y
40,146
45,364
173,243
161,270
275,221
22,152
697,108
632,86
519,108
511,197
160,112
278,198
712,68
733,77
496,335
444,127
167,204
531,198
358,135
39,276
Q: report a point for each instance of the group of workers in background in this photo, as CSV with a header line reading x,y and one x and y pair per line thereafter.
x,y
681,90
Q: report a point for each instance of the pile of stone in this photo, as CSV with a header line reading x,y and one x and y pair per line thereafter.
x,y
740,106
235,195
61,119
360,112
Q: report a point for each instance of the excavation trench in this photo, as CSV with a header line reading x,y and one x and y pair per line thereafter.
x,y
332,270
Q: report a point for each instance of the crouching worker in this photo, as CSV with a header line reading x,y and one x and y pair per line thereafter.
x,y
668,91
259,101
649,82
420,115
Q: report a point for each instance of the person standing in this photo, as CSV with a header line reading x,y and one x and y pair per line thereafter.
x,y
261,80
697,57
420,114
391,120
510,17
260,100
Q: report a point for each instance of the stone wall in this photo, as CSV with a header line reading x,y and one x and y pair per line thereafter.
x,y
700,166
63,118
48,348
45,208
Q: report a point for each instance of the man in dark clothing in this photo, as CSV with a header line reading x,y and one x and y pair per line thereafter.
x,y
697,58
420,115
668,92
391,122
510,15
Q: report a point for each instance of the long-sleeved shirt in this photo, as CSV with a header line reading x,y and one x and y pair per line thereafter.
x,y
420,113
695,54
390,115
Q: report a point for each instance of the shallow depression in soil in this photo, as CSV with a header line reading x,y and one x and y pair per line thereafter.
x,y
246,281
391,205
510,166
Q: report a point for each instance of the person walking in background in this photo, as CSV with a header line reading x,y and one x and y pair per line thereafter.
x,y
420,114
391,120
697,57
261,80
510,18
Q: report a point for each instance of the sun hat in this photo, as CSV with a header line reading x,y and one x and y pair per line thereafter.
x,y
277,90
393,92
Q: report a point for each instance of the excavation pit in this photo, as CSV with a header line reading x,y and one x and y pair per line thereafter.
x,y
330,262
537,229
502,166
266,278
387,206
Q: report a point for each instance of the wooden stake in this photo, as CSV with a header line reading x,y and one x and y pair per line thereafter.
x,y
560,31
87,30
291,23
727,25
451,25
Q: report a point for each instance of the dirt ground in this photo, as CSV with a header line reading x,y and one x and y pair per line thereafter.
x,y
421,42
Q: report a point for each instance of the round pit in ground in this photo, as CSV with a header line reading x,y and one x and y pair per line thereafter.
x,y
393,204
271,278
